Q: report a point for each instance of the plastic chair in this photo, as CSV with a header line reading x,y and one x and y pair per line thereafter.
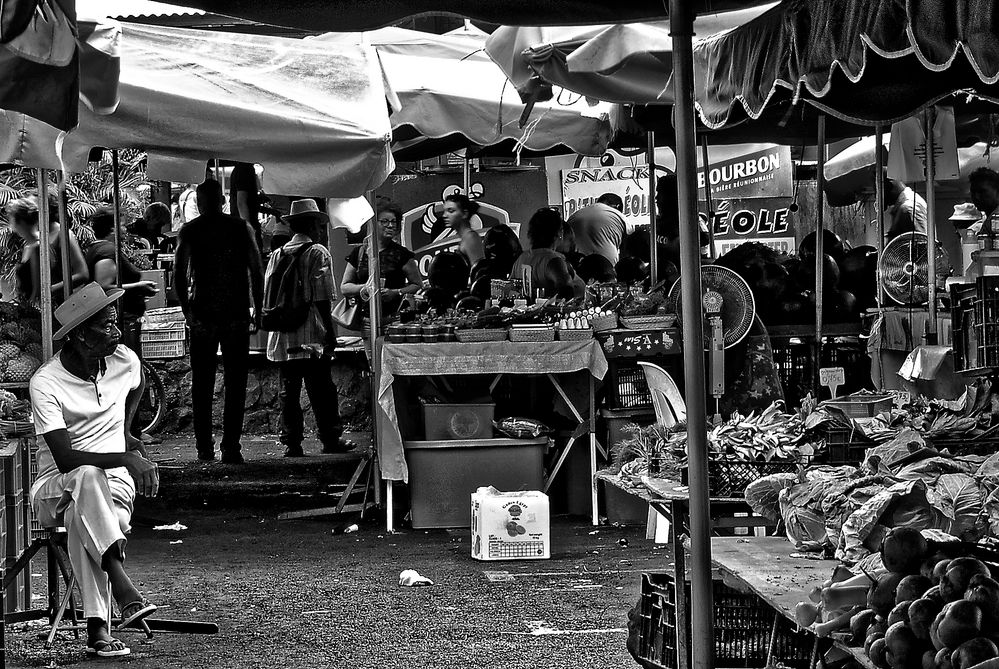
x,y
666,398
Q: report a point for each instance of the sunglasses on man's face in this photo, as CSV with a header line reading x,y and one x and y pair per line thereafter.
x,y
388,221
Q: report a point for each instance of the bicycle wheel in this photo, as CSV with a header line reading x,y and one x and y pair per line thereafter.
x,y
152,405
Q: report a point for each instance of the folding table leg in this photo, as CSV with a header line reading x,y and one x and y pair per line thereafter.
x,y
558,463
389,499
680,584
594,502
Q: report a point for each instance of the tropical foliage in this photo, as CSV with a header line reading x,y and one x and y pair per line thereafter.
x,y
85,193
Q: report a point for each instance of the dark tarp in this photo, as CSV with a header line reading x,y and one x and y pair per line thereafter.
x,y
864,61
353,15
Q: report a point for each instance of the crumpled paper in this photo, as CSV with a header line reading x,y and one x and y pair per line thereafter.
x,y
411,578
176,527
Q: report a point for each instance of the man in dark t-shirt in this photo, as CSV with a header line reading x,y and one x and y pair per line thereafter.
x,y
244,198
217,272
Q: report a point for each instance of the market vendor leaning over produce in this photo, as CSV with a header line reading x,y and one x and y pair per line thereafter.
x,y
89,467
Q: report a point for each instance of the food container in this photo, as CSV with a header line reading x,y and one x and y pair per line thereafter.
x,y
447,334
394,334
414,333
431,334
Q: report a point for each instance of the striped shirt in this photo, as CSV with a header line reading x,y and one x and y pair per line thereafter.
x,y
317,264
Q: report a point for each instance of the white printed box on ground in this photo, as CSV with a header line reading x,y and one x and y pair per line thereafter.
x,y
510,525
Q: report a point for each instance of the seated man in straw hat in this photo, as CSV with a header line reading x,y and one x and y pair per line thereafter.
x,y
89,466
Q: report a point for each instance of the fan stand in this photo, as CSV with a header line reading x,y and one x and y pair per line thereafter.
x,y
712,302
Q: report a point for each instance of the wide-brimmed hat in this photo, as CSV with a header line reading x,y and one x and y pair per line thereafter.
x,y
966,212
305,208
83,304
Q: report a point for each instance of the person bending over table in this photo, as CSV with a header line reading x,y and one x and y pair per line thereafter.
x,y
89,467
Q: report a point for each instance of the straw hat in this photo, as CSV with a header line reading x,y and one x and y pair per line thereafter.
x,y
304,208
83,304
966,212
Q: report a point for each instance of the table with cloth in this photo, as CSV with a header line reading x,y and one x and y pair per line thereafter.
x,y
549,359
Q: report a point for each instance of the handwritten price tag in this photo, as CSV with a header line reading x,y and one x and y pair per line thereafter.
x,y
832,378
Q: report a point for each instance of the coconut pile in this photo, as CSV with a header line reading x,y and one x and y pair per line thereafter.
x,y
930,604
20,342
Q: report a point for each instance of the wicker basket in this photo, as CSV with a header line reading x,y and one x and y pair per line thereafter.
x,y
480,336
16,428
526,335
575,335
653,322
604,323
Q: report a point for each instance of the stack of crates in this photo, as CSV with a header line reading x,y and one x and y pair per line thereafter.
x,y
975,314
16,517
163,334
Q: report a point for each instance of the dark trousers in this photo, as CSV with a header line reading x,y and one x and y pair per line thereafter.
x,y
206,338
315,372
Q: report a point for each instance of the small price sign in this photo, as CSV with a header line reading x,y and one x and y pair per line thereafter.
x,y
832,378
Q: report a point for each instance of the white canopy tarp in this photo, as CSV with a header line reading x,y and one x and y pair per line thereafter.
x,y
447,87
624,63
314,115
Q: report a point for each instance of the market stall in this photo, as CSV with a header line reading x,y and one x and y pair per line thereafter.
x,y
549,359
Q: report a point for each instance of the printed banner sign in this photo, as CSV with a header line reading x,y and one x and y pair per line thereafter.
x,y
425,233
765,220
583,185
759,173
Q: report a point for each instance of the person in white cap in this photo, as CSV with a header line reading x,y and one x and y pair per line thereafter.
x,y
89,466
966,216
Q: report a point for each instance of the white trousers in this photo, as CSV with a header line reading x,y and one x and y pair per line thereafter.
x,y
95,506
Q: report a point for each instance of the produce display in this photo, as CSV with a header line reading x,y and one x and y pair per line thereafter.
x,y
581,320
20,342
902,480
929,602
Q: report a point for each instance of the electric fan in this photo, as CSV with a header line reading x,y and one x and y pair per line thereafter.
x,y
729,309
903,268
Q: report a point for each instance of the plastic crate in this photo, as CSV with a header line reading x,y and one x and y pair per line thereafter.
x,y
794,360
862,406
443,422
172,333
627,388
742,633
159,350
163,315
444,474
962,313
729,478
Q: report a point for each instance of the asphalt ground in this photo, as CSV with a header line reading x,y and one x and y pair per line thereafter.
x,y
296,594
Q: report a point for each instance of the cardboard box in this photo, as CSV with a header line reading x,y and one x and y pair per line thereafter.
x,y
510,525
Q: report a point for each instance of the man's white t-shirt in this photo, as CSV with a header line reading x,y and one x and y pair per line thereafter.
x,y
93,412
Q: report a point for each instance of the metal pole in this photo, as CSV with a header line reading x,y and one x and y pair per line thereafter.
x,y
931,225
702,619
650,156
374,315
116,195
879,201
820,183
67,269
707,197
466,175
44,263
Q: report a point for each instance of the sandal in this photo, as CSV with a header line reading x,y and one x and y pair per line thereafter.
x,y
135,611
109,648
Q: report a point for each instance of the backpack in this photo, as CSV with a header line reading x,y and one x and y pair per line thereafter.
x,y
285,307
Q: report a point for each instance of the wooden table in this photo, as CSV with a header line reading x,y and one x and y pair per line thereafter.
x,y
766,566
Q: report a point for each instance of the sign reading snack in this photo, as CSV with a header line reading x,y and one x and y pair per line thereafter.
x,y
583,185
